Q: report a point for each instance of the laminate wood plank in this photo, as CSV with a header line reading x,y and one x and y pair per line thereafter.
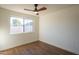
x,y
36,48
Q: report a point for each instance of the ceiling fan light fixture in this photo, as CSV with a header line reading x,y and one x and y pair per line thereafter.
x,y
36,13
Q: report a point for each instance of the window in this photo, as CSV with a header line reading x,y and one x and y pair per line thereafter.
x,y
19,25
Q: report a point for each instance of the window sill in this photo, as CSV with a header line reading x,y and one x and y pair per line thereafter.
x,y
21,33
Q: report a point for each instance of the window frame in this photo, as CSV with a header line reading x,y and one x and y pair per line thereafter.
x,y
23,25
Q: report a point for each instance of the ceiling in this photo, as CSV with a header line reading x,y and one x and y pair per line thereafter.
x,y
20,8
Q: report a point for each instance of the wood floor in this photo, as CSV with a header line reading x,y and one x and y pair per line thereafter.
x,y
36,48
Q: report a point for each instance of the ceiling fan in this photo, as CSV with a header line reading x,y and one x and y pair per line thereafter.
x,y
36,10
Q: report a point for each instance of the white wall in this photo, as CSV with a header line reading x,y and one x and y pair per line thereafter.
x,y
7,40
61,28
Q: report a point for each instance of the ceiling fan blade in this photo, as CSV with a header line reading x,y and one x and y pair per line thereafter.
x,y
28,10
41,9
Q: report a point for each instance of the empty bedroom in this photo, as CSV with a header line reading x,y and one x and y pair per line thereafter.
x,y
39,29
